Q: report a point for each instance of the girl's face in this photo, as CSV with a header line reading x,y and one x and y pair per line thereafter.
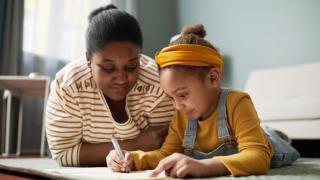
x,y
193,96
115,68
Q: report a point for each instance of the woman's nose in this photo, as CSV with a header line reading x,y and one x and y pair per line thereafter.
x,y
122,76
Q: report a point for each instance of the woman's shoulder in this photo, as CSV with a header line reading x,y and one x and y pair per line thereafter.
x,y
149,65
148,62
148,72
73,72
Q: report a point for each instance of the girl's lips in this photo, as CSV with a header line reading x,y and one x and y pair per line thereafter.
x,y
189,113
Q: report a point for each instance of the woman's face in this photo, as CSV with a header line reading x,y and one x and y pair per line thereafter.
x,y
115,68
193,96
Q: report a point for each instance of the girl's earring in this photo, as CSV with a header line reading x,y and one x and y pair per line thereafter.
x,y
212,77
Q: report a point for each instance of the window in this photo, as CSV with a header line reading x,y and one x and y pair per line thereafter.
x,y
56,28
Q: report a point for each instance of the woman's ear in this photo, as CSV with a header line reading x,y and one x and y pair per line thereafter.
x,y
87,56
214,76
88,59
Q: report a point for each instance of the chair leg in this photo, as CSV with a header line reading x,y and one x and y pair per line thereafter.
x,y
20,126
7,95
43,130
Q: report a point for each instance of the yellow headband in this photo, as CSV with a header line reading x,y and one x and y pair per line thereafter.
x,y
189,55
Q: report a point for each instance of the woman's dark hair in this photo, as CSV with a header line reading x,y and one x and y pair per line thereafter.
x,y
108,24
192,35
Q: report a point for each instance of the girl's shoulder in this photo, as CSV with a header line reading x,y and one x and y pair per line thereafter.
x,y
237,93
234,96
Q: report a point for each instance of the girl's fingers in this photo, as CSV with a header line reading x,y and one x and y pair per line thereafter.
x,y
182,172
164,165
173,171
176,167
128,162
167,172
115,166
114,162
127,156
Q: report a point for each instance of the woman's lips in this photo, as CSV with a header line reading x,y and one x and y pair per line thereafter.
x,y
120,88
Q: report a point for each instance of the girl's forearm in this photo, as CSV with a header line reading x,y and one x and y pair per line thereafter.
x,y
215,167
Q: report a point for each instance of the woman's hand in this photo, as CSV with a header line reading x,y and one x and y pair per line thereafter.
x,y
181,166
152,138
118,165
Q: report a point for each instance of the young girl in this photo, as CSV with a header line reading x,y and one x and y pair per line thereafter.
x,y
214,131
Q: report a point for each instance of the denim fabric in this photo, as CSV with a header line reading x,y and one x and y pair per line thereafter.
x,y
283,153
227,148
224,149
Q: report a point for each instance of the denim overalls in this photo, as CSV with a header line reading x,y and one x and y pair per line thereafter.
x,y
283,153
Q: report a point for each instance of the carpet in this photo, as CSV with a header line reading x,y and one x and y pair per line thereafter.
x,y
303,168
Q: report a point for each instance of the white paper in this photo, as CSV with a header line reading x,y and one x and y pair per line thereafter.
x,y
103,173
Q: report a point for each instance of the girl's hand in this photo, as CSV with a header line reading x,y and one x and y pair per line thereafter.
x,y
118,165
181,166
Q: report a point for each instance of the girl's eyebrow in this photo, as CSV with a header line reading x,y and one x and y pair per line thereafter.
x,y
179,88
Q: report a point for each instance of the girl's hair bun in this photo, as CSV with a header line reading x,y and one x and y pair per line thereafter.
x,y
197,29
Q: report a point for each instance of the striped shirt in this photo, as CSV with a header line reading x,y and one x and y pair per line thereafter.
x,y
78,112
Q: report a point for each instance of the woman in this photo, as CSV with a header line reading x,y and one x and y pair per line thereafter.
x,y
115,91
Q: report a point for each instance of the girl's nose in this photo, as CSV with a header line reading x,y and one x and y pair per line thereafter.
x,y
179,106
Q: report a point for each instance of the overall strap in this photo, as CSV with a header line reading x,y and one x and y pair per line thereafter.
x,y
190,136
222,126
222,123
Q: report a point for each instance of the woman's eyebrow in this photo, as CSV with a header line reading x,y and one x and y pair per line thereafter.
x,y
134,59
107,60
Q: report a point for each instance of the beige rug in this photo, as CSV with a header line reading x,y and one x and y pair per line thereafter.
x,y
304,168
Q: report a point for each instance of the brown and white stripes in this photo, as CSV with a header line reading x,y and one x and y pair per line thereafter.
x,y
77,111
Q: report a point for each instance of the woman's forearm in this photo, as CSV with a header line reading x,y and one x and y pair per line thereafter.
x,y
149,139
95,154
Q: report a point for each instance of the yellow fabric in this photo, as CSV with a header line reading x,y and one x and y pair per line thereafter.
x,y
189,55
255,151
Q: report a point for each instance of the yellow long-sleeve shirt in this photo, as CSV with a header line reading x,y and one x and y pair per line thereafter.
x,y
255,150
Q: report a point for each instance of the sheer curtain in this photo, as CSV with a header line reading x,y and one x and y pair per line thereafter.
x,y
56,28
